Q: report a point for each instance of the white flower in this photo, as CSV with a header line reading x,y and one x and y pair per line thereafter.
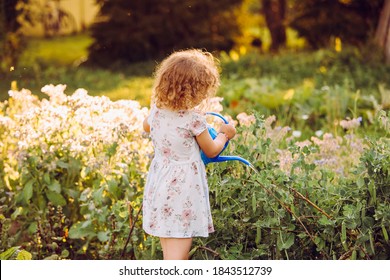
x,y
319,133
305,117
296,133
83,126
6,121
56,93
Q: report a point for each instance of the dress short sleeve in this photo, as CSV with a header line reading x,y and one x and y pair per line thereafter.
x,y
198,124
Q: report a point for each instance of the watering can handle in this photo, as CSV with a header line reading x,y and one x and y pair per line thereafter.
x,y
213,134
218,115
220,158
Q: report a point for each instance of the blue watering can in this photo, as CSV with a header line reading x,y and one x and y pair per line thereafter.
x,y
219,158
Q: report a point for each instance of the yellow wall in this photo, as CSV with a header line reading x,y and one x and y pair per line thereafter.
x,y
83,11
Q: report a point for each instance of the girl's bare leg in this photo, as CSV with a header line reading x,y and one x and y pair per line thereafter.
x,y
176,248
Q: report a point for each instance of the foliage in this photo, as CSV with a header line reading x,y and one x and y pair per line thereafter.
x,y
307,91
304,202
311,82
13,13
61,51
9,37
354,21
143,30
73,169
15,253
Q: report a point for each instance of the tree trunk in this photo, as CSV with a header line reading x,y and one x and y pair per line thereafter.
x,y
274,12
2,21
382,35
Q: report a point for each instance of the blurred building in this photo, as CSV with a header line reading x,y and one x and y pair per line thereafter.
x,y
60,17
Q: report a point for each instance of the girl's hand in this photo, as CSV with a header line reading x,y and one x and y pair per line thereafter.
x,y
146,124
212,147
228,129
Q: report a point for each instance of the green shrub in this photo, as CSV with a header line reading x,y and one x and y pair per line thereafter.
x,y
73,170
305,202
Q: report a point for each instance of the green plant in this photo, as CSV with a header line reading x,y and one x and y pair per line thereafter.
x,y
304,210
72,191
69,171
16,254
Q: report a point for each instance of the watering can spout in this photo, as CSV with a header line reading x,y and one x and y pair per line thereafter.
x,y
230,158
240,159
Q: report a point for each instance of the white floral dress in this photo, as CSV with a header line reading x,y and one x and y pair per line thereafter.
x,y
176,197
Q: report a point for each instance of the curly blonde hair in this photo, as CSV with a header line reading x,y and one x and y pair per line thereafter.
x,y
184,79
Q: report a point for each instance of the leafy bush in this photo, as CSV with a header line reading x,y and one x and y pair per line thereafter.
x,y
307,91
73,169
314,199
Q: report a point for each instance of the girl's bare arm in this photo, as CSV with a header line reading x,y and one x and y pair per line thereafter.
x,y
212,147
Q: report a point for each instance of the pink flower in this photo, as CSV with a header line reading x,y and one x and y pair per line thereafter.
x,y
349,124
246,120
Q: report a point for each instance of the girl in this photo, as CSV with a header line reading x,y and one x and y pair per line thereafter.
x,y
176,204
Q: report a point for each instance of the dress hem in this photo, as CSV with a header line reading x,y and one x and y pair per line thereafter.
x,y
176,235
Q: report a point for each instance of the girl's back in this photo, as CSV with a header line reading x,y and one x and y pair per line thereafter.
x,y
173,134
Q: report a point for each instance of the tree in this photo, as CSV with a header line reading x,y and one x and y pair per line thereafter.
x,y
353,21
275,13
382,35
148,29
11,39
8,36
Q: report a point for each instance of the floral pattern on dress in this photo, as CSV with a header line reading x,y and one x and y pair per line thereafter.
x,y
197,124
153,224
186,135
194,168
167,151
176,202
187,215
167,211
175,183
